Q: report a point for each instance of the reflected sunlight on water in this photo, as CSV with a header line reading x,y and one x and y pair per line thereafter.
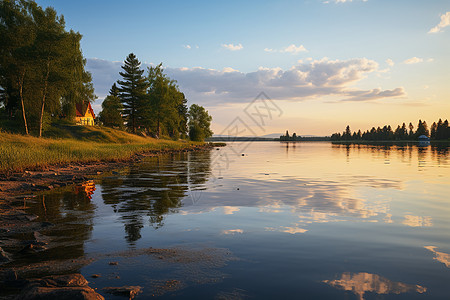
x,y
315,220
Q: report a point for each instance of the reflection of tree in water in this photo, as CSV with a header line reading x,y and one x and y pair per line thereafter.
x,y
439,151
155,188
72,213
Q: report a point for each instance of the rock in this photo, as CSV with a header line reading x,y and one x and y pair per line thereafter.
x,y
4,257
32,248
60,287
127,291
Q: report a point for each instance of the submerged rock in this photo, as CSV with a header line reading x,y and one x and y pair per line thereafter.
x,y
127,291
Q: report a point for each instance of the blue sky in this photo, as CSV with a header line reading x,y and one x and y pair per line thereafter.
x,y
325,63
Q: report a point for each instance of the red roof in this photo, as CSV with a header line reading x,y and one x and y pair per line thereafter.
x,y
79,110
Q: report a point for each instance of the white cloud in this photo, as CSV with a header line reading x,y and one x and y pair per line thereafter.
x,y
233,47
445,21
289,49
390,62
374,94
187,46
294,49
413,60
305,80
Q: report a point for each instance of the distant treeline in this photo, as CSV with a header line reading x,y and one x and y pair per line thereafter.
x,y
438,131
288,137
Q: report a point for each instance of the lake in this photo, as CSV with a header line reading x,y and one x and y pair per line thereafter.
x,y
263,220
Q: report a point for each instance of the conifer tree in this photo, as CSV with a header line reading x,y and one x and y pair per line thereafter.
x,y
132,90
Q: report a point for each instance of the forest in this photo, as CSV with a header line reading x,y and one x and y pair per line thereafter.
x,y
438,131
43,78
152,105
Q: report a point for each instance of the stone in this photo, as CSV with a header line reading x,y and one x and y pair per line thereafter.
x,y
59,287
127,291
4,257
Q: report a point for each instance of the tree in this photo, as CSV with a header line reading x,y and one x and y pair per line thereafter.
x,y
41,64
411,132
166,110
16,33
132,90
422,129
111,114
199,123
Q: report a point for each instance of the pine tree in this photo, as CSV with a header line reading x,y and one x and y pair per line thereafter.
x,y
132,90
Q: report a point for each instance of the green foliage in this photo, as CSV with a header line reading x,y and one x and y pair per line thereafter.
x,y
18,152
112,107
132,91
41,66
153,104
199,123
196,133
439,131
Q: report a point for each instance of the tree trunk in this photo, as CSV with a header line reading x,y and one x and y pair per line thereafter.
x,y
21,79
158,128
43,98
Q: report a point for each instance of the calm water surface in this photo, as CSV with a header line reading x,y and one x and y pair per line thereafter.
x,y
305,220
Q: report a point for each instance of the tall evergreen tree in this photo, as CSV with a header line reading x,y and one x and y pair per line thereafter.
x,y
132,90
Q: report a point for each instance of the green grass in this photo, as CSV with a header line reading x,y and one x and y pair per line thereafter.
x,y
79,144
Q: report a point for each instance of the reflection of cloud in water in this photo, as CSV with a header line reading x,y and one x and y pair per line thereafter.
x,y
229,210
360,283
417,221
289,229
440,256
312,200
232,231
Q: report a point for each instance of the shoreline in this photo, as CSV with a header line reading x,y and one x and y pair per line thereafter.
x,y
18,187
39,179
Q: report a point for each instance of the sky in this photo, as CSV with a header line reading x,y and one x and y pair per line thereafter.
x,y
310,67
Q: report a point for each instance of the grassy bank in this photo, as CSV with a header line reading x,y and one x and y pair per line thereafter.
x,y
77,144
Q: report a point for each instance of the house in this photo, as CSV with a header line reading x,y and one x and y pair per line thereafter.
x,y
84,114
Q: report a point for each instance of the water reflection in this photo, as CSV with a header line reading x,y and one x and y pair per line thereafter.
x,y
154,188
417,221
440,256
439,152
72,212
361,283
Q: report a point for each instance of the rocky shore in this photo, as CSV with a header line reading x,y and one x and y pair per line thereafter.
x,y
21,233
35,180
